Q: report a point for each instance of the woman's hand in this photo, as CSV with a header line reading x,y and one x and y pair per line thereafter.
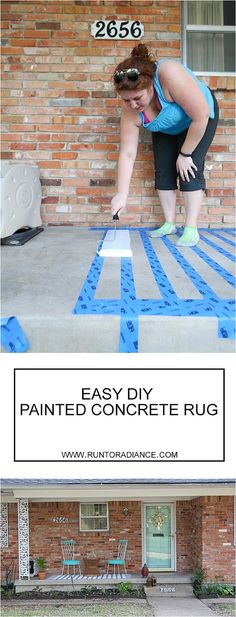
x,y
185,166
118,204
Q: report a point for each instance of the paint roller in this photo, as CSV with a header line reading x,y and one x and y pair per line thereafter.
x,y
116,243
115,219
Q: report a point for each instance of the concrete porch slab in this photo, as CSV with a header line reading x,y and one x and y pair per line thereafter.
x,y
164,299
180,582
64,582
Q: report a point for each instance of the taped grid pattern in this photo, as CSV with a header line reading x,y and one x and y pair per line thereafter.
x,y
230,232
217,248
130,308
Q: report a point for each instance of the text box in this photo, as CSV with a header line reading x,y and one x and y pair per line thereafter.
x,y
119,415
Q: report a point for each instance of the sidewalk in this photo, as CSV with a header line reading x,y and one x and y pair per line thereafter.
x,y
178,607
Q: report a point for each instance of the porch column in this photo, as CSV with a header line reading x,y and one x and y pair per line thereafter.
x,y
23,538
4,525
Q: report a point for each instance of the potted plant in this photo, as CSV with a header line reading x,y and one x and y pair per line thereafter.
x,y
41,565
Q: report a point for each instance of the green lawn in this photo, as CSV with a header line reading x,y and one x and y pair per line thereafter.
x,y
88,608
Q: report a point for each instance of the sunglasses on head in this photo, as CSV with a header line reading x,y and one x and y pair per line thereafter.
x,y
131,74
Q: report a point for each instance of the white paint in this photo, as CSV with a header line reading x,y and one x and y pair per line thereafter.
x,y
116,244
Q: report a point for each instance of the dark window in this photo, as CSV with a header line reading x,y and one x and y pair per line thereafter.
x,y
210,35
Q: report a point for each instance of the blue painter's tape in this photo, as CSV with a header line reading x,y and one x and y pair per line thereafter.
x,y
129,318
128,335
12,336
231,232
160,276
215,266
217,235
197,280
217,248
89,288
127,280
120,228
97,307
226,328
128,292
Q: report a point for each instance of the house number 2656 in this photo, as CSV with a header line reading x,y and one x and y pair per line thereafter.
x,y
116,29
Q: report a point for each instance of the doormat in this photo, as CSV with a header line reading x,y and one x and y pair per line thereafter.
x,y
21,236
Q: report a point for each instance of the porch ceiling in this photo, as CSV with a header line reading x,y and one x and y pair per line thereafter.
x,y
118,492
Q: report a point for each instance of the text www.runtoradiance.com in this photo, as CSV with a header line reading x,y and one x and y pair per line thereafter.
x,y
118,455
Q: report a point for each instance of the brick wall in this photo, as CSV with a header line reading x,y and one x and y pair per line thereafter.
x,y
217,538
60,111
205,538
204,535
45,536
184,536
197,545
9,555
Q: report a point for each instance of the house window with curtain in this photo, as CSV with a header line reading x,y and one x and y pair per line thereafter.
x,y
209,36
93,517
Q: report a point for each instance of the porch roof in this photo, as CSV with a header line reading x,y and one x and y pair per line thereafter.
x,y
113,489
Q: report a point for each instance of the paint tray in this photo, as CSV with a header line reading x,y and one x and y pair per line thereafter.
x,y
116,244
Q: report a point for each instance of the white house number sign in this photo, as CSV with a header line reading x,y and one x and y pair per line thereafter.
x,y
116,29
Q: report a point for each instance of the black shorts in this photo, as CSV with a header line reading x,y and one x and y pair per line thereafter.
x,y
166,149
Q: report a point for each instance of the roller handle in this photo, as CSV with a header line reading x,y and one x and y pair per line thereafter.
x,y
116,217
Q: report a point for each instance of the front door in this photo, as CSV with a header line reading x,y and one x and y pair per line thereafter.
x,y
159,538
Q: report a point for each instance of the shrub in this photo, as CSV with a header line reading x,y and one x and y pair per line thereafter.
x,y
125,588
218,590
212,588
198,580
8,573
89,590
7,593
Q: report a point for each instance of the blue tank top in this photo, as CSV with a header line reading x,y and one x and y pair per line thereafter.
x,y
172,119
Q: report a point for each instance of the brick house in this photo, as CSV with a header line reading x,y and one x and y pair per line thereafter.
x,y
60,110
172,525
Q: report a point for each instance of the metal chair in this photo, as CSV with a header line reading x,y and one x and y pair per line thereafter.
x,y
120,559
68,555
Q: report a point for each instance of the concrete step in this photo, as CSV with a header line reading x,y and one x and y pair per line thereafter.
x,y
173,577
101,334
171,584
180,590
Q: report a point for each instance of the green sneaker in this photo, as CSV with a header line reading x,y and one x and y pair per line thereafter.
x,y
189,238
164,230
